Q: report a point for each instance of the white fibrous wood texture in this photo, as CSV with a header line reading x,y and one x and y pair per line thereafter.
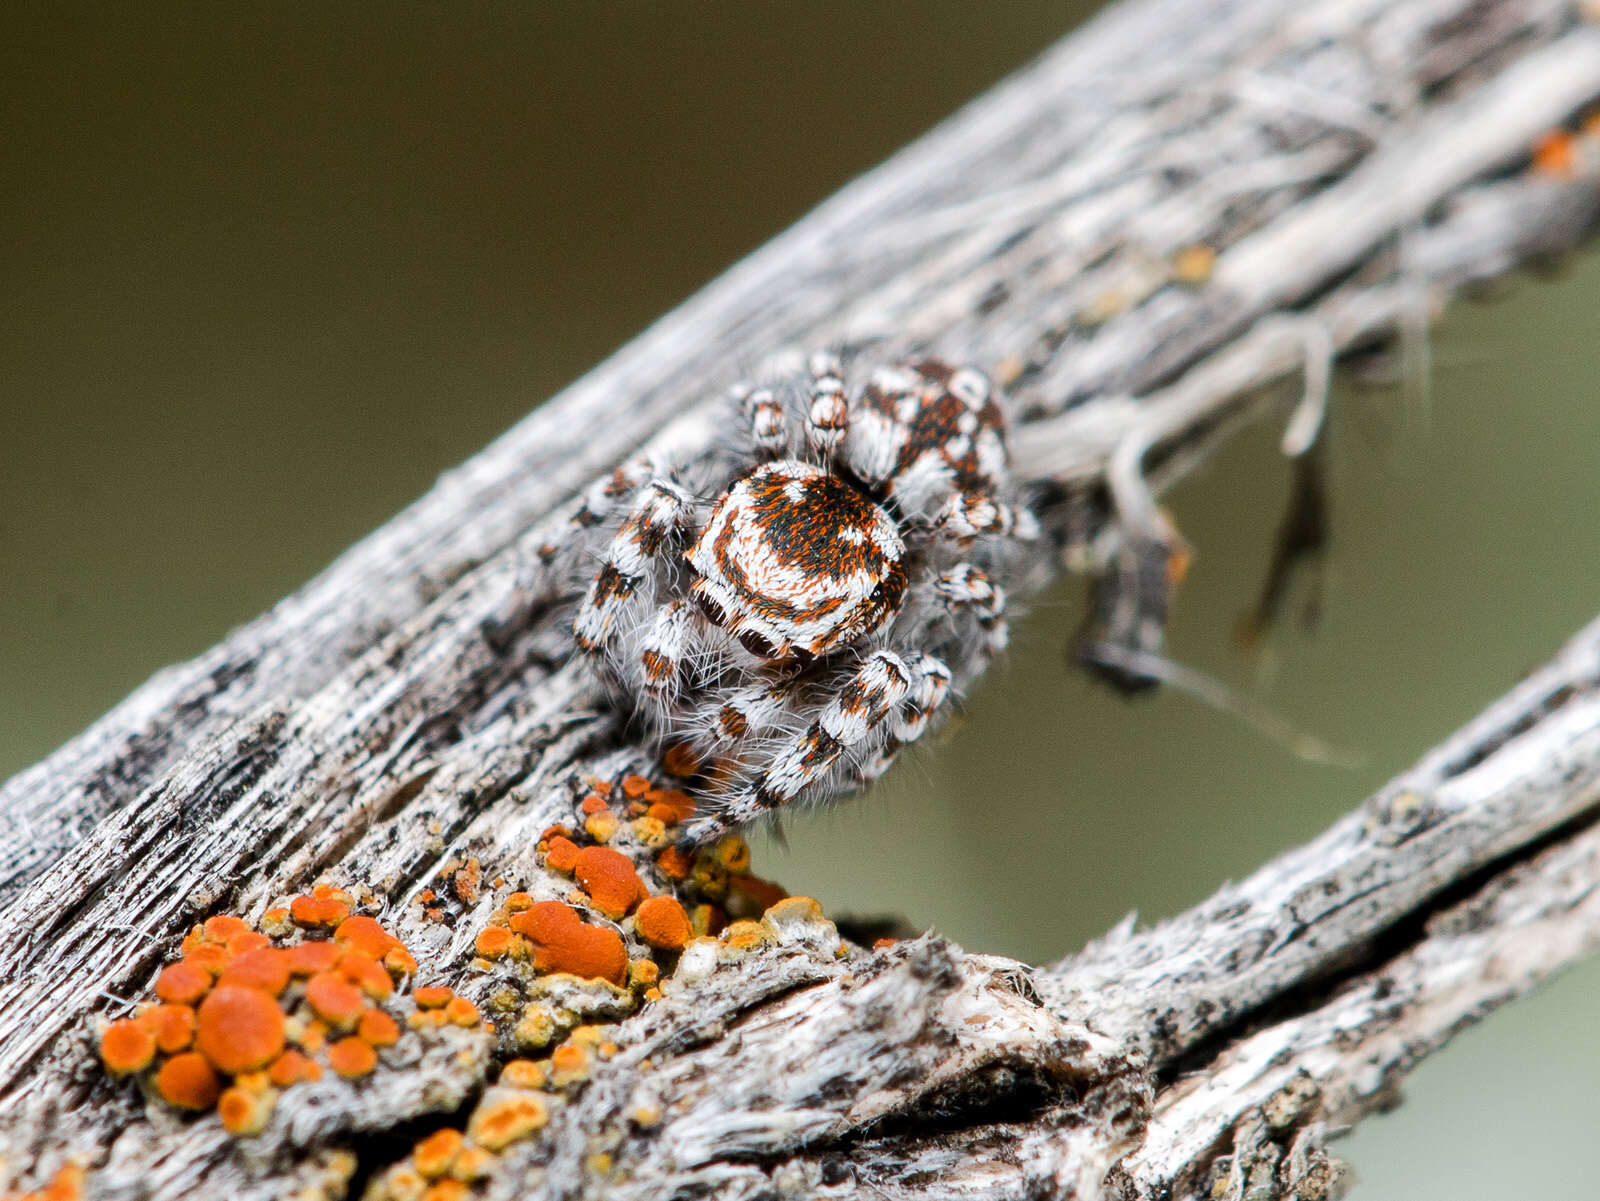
x,y
1175,208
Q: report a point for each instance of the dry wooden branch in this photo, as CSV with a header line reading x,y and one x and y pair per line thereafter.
x,y
1351,165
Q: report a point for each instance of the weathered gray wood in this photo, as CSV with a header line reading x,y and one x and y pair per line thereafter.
x,y
1353,164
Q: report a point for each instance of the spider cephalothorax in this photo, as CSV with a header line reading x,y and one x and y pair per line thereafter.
x,y
792,605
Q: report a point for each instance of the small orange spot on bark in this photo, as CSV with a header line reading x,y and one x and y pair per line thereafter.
x,y
610,880
265,969
239,1029
126,1046
561,941
432,996
378,1028
310,958
462,1012
493,942
188,1081
561,855
336,1000
674,864
663,924
351,1057
182,983
292,1067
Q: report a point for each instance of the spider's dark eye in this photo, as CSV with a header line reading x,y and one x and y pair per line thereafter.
x,y
757,645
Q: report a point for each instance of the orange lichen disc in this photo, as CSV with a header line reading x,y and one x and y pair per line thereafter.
x,y
496,1124
522,1073
172,1026
494,942
634,787
462,1012
432,996
367,974
188,1081
681,760
182,983
564,942
265,969
378,1028
592,804
670,805
335,999
1555,153
517,902
663,924
351,1057
292,1067
239,1029
310,958
434,1154
126,1046
319,911
248,940
208,955
674,864
223,926
610,880
561,854
365,934
243,1111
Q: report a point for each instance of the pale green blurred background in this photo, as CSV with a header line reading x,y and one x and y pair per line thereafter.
x,y
266,272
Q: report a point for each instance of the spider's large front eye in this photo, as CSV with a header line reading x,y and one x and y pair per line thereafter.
x,y
757,645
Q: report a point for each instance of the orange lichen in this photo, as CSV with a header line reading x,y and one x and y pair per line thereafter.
x,y
351,1057
239,1029
224,926
182,983
674,864
126,1046
663,924
592,804
749,896
250,940
172,1026
311,958
319,911
670,805
378,1028
493,942
879,944
335,999
243,1111
365,934
1194,264
610,880
433,996
265,969
446,1190
188,1081
434,1154
634,787
462,1012
501,1121
523,1073
561,855
569,1063
465,882
561,941
1556,153
517,902
208,955
65,1185
292,1067
681,760
367,974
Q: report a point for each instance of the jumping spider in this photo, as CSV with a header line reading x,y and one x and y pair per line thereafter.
x,y
792,607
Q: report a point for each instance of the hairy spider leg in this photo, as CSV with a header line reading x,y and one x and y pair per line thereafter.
x,y
965,587
663,514
867,698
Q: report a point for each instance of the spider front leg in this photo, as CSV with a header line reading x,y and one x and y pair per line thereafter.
x,y
851,722
968,589
661,517
910,719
